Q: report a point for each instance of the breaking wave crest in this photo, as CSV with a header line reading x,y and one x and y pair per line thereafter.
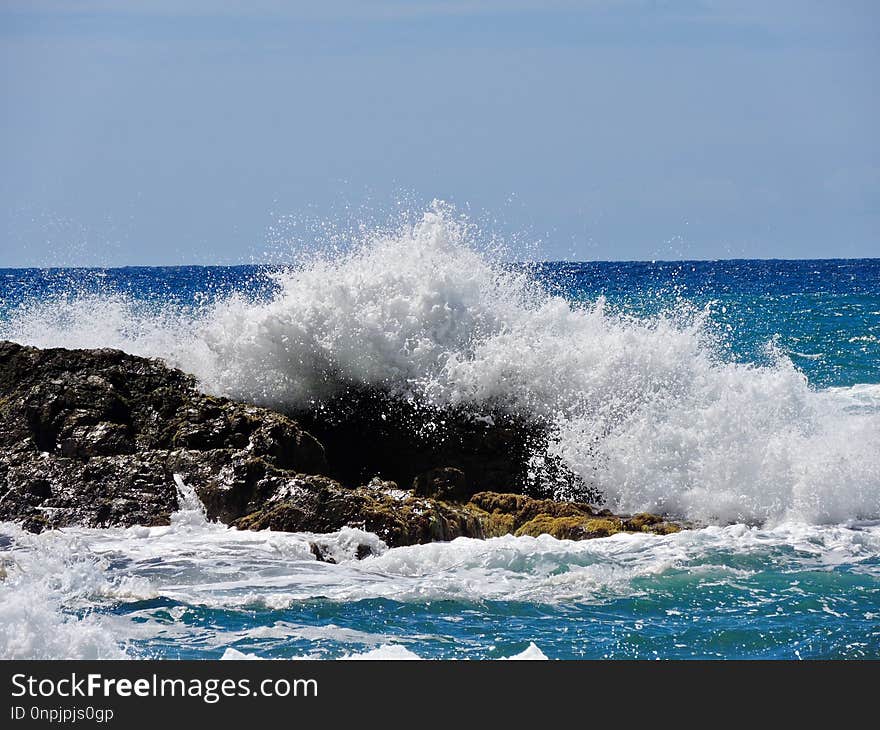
x,y
645,409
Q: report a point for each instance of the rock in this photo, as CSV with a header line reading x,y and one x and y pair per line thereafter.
x,y
647,522
93,437
96,437
47,491
307,503
519,515
322,554
318,504
447,483
84,403
570,528
367,433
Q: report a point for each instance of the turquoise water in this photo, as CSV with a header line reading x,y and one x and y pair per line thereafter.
x,y
199,592
778,576
825,315
689,611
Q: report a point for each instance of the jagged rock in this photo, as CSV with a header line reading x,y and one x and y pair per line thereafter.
x,y
446,483
84,403
95,438
399,517
367,433
47,491
518,514
317,504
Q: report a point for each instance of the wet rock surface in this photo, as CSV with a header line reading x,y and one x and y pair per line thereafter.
x,y
369,433
95,437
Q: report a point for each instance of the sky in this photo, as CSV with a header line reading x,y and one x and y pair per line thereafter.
x,y
152,132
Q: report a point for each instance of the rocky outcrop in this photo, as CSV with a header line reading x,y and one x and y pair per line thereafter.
x,y
318,504
96,437
519,515
401,517
445,482
366,432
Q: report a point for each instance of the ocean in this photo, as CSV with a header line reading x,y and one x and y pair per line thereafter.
x,y
741,396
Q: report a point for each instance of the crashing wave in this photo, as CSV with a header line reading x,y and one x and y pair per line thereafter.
x,y
646,411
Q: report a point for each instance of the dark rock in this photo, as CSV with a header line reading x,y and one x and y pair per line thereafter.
x,y
447,483
84,403
96,437
306,503
105,491
367,433
320,553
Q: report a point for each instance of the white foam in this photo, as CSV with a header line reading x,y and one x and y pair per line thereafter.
x,y
55,579
645,409
530,653
235,655
862,396
190,510
225,568
44,603
385,652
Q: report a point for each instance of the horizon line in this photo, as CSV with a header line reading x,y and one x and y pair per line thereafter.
x,y
95,267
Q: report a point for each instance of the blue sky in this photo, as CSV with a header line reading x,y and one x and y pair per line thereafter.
x,y
142,133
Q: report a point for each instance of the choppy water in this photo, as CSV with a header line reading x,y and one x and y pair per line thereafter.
x,y
743,394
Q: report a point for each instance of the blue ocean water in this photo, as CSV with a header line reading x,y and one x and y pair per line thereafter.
x,y
787,586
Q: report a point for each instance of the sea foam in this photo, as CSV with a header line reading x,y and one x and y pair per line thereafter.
x,y
45,601
645,409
